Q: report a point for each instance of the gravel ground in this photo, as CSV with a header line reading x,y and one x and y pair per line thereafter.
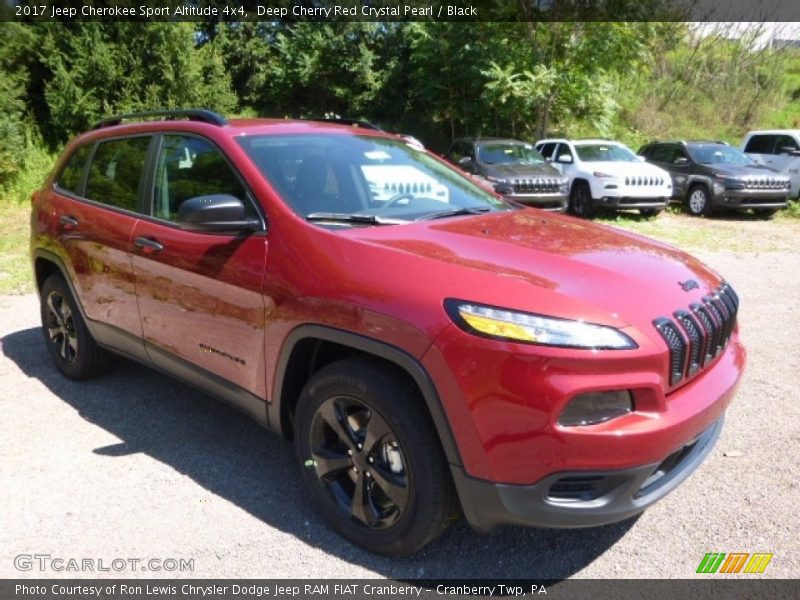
x,y
136,465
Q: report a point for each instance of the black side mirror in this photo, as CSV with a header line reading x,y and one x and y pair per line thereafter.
x,y
465,160
681,161
215,213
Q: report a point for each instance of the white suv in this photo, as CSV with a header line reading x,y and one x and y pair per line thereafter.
x,y
607,174
779,149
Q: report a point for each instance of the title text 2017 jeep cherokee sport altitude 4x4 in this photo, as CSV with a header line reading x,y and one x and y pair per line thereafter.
x,y
427,355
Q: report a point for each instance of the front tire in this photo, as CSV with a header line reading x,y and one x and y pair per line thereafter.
x,y
580,200
698,202
71,346
371,459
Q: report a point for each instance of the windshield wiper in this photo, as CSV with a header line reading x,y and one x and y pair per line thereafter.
x,y
454,212
351,218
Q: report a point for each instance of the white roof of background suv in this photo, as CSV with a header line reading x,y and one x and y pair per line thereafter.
x,y
579,142
773,132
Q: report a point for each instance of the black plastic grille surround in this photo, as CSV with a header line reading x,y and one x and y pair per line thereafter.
x,y
698,335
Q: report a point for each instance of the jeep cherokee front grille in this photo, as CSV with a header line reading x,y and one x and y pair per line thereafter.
x,y
765,183
698,335
535,185
644,180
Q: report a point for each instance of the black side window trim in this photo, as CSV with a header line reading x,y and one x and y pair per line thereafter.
x,y
149,192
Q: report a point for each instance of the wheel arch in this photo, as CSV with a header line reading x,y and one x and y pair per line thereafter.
x,y
45,264
310,347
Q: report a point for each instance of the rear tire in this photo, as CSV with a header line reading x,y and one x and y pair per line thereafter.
x,y
698,201
580,200
71,346
371,459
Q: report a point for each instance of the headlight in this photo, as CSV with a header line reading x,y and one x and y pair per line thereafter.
x,y
563,187
496,179
728,178
498,323
602,175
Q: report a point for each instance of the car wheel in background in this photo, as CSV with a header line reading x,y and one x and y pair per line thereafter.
x,y
580,200
698,202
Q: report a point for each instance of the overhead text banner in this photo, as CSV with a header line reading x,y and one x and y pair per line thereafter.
x,y
401,10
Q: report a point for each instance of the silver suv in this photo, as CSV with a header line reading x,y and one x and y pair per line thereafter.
x,y
779,149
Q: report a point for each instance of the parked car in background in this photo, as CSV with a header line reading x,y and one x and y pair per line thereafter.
x,y
514,169
778,149
709,176
606,174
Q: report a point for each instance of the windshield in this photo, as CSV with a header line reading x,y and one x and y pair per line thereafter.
x,y
604,153
508,153
352,180
717,154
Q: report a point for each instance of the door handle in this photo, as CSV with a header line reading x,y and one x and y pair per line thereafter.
x,y
148,245
68,222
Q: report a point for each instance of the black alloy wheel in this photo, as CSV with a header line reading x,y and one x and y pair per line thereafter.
x,y
371,458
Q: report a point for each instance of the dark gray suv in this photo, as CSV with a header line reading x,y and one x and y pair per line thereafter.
x,y
713,176
514,168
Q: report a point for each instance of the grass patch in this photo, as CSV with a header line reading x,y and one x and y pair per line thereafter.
x,y
15,267
734,231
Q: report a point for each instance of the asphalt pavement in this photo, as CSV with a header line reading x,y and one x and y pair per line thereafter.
x,y
134,466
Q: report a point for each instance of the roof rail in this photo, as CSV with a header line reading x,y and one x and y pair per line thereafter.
x,y
351,122
193,114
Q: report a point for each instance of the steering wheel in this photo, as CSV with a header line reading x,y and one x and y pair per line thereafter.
x,y
397,198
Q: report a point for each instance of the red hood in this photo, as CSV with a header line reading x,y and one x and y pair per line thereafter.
x,y
543,263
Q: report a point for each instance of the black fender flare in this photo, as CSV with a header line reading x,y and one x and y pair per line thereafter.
x,y
59,264
402,359
694,180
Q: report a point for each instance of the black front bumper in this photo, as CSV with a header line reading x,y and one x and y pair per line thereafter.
x,y
546,201
742,199
580,498
630,203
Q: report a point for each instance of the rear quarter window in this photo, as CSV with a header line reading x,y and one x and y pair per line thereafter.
x,y
116,172
71,177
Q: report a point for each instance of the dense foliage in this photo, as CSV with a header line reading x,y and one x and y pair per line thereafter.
x,y
629,80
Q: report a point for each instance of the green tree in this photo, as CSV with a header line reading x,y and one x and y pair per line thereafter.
x,y
97,69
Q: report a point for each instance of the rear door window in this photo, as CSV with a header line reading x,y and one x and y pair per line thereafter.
x,y
760,144
117,172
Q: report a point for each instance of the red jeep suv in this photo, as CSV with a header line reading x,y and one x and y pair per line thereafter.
x,y
430,348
